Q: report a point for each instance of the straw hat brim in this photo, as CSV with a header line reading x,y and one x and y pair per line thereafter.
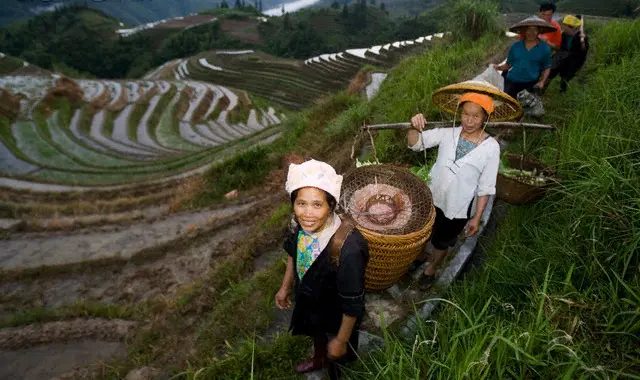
x,y
506,108
542,25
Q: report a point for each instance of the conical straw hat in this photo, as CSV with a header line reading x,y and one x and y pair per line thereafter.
x,y
521,26
506,107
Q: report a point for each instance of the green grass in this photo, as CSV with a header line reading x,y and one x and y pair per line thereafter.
x,y
164,101
76,310
558,296
134,119
238,115
9,64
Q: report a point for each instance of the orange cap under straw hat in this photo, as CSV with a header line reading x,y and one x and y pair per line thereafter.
x,y
482,100
503,107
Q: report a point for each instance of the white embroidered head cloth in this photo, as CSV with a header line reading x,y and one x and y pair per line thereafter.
x,y
314,173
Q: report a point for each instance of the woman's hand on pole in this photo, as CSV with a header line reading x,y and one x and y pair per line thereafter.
x,y
336,348
283,298
418,122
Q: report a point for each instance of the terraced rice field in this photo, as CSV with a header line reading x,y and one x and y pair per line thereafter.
x,y
124,132
290,83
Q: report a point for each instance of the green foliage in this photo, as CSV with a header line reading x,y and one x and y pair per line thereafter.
x,y
349,121
558,297
617,41
74,37
614,8
253,360
77,310
311,32
475,18
242,172
194,40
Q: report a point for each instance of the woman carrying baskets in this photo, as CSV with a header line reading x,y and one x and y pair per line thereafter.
x,y
467,162
327,260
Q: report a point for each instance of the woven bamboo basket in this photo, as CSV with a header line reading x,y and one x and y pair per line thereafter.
x,y
392,245
516,192
390,256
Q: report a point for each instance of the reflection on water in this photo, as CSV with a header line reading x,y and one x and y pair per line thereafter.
x,y
290,7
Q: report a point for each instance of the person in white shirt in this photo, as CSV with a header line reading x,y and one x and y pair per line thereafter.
x,y
466,168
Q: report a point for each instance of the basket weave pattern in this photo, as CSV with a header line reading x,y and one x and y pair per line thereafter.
x,y
390,255
391,249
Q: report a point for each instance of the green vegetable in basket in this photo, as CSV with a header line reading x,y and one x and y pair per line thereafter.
x,y
422,172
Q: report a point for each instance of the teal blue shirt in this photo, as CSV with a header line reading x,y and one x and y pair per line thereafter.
x,y
527,65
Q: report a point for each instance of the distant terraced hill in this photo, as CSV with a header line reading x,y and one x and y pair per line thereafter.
x,y
113,132
289,82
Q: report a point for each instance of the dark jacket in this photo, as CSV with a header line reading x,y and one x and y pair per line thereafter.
x,y
571,56
324,294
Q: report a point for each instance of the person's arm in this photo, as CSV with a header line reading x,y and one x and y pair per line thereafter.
x,y
350,281
546,70
418,139
283,299
338,345
543,77
486,187
473,226
503,67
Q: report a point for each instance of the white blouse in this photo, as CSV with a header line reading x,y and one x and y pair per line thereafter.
x,y
455,183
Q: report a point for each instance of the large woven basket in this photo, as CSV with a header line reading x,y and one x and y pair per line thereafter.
x,y
390,250
515,192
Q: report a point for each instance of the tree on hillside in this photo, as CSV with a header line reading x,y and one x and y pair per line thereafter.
x,y
335,4
345,11
286,22
238,5
260,6
224,4
372,2
383,7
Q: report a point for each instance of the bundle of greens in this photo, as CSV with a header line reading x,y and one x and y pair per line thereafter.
x,y
422,172
533,177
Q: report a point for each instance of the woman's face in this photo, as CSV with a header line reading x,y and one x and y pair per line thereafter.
x,y
472,117
531,33
311,208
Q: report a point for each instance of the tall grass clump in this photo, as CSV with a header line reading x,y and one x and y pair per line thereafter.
x,y
474,19
617,40
559,296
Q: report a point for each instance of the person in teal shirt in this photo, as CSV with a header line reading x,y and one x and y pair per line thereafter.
x,y
528,62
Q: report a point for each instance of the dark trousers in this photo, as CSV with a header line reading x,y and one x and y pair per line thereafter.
x,y
513,88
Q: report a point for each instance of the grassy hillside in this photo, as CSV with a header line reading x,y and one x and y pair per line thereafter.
x,y
558,296
76,37
313,31
81,41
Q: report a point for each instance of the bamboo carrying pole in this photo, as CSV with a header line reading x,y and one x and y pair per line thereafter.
x,y
441,124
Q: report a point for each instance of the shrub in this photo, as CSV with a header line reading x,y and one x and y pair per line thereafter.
x,y
475,18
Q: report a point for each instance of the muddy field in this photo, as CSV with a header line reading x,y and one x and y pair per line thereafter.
x,y
114,264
